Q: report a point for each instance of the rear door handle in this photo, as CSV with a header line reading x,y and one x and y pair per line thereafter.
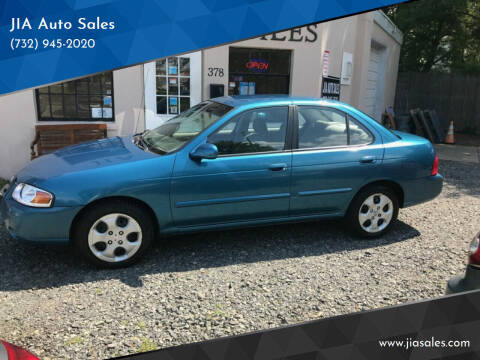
x,y
367,159
277,167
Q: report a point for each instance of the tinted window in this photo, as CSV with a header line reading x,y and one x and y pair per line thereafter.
x,y
358,134
259,71
86,99
259,130
321,127
276,62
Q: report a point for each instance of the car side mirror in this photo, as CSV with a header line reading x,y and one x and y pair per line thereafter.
x,y
204,151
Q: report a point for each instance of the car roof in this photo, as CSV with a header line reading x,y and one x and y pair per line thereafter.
x,y
242,100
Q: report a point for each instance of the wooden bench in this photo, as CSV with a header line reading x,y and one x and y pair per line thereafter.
x,y
49,138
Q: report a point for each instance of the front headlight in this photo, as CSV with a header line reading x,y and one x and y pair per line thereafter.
x,y
31,196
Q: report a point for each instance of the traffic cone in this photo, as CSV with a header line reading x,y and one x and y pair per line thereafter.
x,y
450,138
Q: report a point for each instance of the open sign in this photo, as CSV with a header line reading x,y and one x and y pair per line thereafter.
x,y
257,65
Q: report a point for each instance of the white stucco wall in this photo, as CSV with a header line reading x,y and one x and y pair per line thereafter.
x,y
129,100
17,119
393,48
305,65
351,34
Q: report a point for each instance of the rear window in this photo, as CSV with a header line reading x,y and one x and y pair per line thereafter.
x,y
389,130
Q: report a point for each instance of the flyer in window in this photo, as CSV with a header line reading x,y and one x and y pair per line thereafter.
x,y
243,88
107,112
97,112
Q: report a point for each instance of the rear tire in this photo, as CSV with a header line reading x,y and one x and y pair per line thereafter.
x,y
113,234
373,211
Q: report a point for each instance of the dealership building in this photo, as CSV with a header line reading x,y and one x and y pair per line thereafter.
x,y
354,59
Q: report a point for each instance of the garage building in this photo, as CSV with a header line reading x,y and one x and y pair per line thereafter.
x,y
354,59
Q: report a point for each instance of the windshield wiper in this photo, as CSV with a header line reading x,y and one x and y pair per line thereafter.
x,y
140,142
145,145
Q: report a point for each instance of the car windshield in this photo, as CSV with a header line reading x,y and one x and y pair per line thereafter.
x,y
178,131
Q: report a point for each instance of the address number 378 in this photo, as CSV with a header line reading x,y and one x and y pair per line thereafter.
x,y
215,71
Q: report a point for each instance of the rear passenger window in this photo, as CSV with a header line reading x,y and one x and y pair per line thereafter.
x,y
321,127
358,134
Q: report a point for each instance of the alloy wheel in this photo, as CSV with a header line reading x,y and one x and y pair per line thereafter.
x,y
115,237
375,213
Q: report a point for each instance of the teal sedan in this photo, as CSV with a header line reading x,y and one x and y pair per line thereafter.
x,y
227,162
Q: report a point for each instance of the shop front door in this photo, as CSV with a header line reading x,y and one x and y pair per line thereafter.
x,y
172,85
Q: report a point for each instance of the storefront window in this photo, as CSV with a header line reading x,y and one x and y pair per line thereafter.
x,y
87,99
173,85
259,71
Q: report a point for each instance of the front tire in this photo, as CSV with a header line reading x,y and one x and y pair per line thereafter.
x,y
373,211
113,234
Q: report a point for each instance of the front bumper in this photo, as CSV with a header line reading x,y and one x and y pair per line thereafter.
x,y
40,225
467,282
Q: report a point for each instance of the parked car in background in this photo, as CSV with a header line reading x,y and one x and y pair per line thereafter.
x,y
471,279
12,352
224,163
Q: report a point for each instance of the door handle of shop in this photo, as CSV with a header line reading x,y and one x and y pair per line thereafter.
x,y
277,167
367,159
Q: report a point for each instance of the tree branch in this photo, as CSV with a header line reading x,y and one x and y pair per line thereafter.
x,y
468,14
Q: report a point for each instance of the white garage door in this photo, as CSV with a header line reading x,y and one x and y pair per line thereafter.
x,y
374,92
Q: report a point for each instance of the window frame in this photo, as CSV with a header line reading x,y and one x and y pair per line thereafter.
x,y
179,77
251,50
347,122
288,143
361,125
75,119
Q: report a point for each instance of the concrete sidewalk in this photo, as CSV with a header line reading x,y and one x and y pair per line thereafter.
x,y
469,154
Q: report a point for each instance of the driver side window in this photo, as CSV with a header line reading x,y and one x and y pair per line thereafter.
x,y
253,131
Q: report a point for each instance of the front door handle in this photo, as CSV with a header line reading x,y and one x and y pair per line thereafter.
x,y
367,159
277,167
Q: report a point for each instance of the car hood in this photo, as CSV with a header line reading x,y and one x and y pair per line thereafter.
x,y
90,155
